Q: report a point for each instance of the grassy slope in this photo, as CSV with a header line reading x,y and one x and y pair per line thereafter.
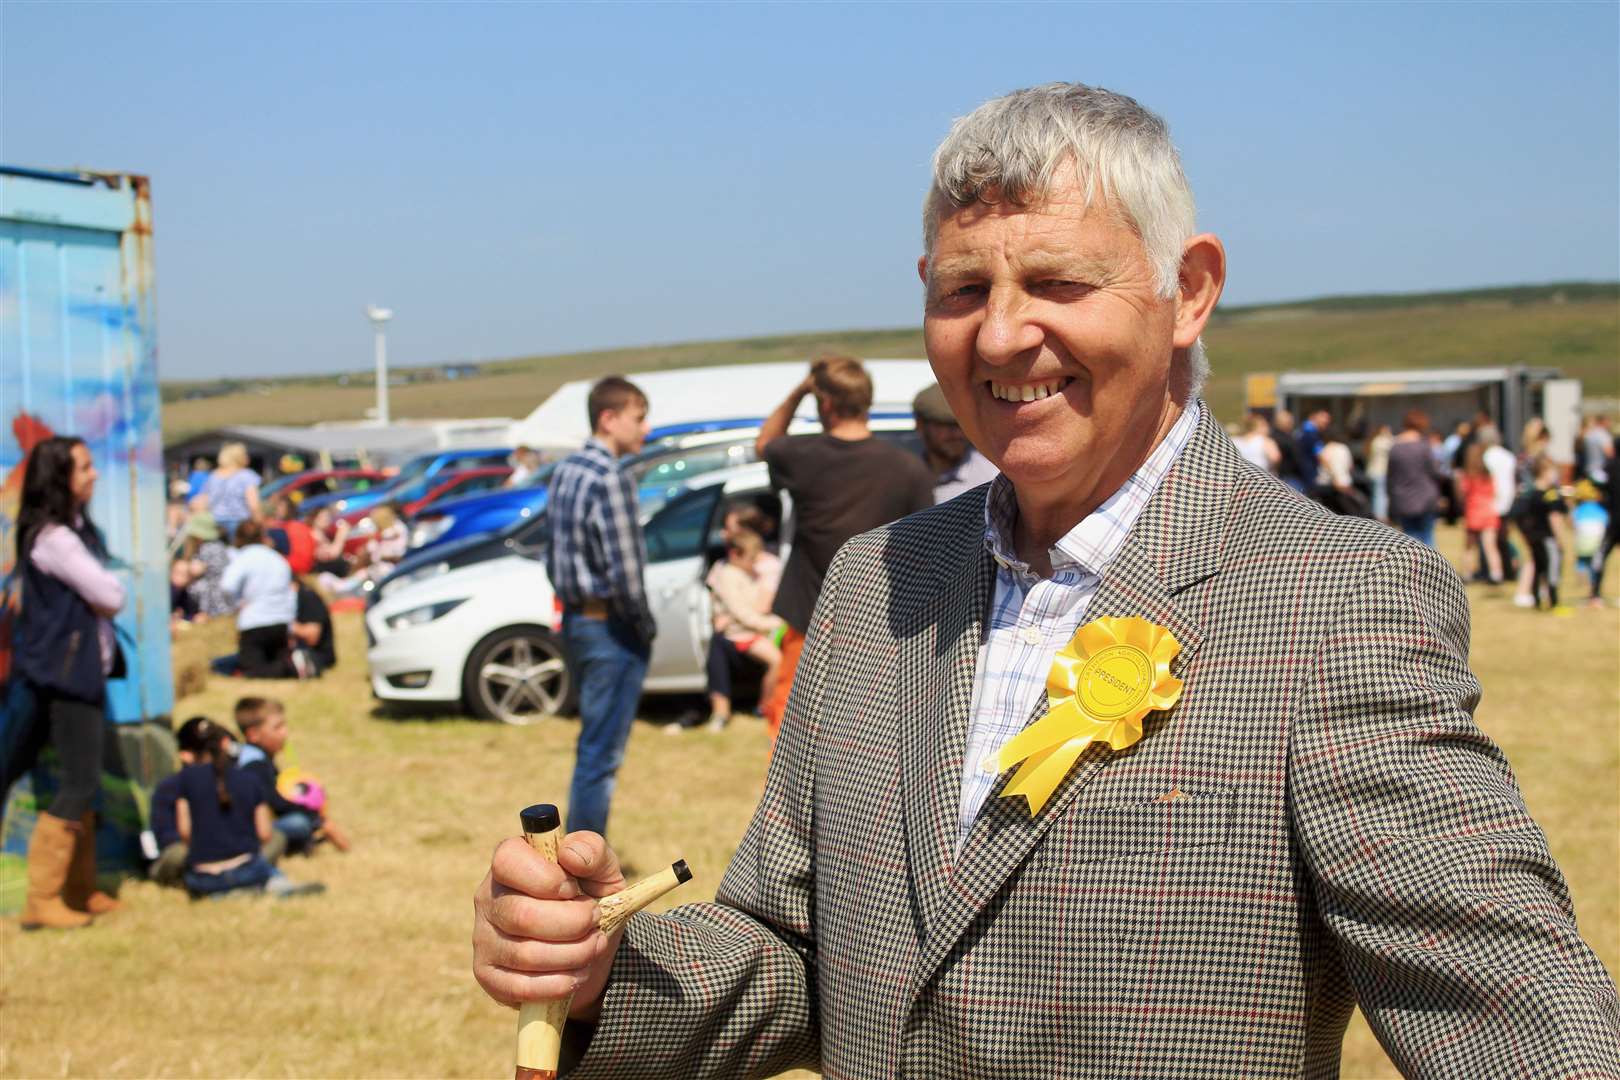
x,y
1581,337
372,979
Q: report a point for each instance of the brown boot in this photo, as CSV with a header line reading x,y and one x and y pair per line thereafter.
x,y
80,892
50,850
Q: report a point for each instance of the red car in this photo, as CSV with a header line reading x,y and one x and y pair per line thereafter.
x,y
300,486
460,482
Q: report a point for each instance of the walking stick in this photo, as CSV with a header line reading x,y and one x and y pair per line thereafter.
x,y
540,1023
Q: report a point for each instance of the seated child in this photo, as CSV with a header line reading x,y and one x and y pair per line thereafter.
x,y
222,817
169,866
263,723
743,586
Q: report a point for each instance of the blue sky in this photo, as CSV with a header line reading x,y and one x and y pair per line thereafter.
x,y
517,179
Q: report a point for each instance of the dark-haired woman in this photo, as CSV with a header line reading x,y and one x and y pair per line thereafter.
x,y
66,650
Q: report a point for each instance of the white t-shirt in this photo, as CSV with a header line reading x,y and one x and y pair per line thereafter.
x,y
1504,470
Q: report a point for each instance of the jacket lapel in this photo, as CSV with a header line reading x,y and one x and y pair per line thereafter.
x,y
1174,544
937,664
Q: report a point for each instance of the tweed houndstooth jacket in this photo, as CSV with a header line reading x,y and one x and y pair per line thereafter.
x,y
1317,822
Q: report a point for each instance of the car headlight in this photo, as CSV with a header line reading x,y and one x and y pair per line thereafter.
x,y
426,531
425,614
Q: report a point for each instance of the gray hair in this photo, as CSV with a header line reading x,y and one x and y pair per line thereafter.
x,y
1011,149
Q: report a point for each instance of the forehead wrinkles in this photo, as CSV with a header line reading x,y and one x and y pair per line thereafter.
x,y
1044,244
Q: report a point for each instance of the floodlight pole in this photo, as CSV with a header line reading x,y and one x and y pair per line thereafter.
x,y
379,317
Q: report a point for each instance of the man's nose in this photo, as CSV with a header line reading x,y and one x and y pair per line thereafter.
x,y
1007,332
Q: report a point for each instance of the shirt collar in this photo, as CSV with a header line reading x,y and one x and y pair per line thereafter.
x,y
1092,544
593,443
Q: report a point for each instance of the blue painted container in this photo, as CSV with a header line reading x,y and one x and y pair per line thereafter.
x,y
78,356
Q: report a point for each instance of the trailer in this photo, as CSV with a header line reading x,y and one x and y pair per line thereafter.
x,y
1510,396
78,356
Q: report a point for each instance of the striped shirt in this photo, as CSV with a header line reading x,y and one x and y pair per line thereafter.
x,y
597,551
1031,617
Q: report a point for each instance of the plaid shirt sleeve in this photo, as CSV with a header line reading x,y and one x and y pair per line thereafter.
x,y
1455,925
617,534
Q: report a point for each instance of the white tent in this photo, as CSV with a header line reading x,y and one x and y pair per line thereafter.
x,y
693,395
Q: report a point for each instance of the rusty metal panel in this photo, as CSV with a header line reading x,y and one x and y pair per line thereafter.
x,y
78,356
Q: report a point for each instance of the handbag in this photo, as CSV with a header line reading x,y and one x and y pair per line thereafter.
x,y
19,745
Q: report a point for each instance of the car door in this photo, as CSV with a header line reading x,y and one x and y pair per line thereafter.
x,y
677,547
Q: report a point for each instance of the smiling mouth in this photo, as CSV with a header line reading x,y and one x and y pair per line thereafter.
x,y
1027,391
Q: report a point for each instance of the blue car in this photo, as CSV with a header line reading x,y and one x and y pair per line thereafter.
x,y
450,520
411,482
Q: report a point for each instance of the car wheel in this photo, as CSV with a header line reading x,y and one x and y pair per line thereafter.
x,y
518,675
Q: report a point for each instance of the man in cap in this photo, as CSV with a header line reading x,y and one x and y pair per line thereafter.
x,y
956,465
1130,763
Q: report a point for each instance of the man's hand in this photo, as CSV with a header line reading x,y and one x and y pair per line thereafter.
x,y
776,424
535,932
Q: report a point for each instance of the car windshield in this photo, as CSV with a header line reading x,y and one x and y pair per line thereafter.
x,y
542,475
413,469
277,484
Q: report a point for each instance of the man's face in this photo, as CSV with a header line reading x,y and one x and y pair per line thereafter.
x,y
943,440
625,430
1052,346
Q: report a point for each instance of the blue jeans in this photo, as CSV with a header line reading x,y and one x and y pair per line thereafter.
x,y
609,659
297,826
250,875
1417,526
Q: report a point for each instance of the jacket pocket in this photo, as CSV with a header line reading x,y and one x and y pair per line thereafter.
x,y
1175,820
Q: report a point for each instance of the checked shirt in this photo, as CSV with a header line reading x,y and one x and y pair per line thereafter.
x,y
1031,618
597,551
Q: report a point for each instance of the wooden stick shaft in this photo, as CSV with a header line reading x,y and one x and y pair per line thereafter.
x,y
540,1023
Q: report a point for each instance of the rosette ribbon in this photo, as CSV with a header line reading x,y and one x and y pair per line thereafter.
x,y
1110,675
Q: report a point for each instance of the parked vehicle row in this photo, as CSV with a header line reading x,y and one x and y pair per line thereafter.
x,y
481,626
474,621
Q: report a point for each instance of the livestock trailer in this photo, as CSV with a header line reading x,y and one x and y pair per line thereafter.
x,y
78,356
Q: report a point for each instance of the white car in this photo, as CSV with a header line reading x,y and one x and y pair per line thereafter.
x,y
487,635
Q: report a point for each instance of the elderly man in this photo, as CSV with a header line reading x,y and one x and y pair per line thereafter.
x,y
970,860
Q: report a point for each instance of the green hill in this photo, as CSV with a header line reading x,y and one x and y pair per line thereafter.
x,y
1572,326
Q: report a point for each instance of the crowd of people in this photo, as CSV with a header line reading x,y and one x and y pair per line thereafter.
x,y
269,566
1524,516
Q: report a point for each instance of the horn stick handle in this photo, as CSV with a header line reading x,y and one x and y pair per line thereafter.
x,y
540,1023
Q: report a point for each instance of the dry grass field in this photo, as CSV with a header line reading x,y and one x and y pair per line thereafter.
x,y
1579,337
371,979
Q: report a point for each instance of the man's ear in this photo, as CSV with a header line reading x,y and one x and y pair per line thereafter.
x,y
1203,276
922,268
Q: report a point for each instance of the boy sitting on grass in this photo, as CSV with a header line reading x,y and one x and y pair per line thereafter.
x,y
263,723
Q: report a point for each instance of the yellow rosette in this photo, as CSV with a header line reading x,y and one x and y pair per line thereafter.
x,y
1102,684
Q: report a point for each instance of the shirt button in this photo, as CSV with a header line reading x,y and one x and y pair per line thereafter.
x,y
1030,635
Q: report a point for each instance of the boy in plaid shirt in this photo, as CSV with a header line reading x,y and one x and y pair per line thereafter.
x,y
595,561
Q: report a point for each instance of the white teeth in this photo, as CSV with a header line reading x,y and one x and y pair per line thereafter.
x,y
1026,393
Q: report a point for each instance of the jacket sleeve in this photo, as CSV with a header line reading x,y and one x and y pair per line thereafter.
x,y
728,989
1454,924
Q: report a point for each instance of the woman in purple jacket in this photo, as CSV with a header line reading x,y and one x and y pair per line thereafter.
x,y
65,649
